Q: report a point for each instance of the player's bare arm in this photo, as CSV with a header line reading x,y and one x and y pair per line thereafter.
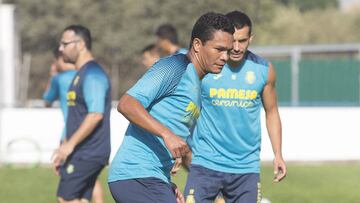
x,y
87,126
134,111
273,124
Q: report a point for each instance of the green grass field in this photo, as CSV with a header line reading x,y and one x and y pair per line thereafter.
x,y
321,183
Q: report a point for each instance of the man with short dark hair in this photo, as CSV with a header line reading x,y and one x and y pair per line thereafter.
x,y
87,148
168,40
227,137
162,108
150,55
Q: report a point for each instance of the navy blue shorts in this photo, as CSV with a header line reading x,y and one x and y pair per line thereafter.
x,y
142,190
77,179
205,184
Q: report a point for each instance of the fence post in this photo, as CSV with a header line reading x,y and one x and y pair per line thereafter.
x,y
24,79
295,60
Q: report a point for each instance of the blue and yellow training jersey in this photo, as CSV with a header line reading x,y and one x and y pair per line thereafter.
x,y
59,86
227,136
90,92
170,92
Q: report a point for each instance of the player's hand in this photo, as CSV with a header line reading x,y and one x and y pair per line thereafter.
x,y
176,167
56,168
60,155
53,70
177,146
178,194
279,169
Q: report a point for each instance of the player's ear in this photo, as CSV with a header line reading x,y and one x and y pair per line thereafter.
x,y
196,44
251,38
81,44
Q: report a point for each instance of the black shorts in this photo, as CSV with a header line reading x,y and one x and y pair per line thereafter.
x,y
142,190
77,179
204,185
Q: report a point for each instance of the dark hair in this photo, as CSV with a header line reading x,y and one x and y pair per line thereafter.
x,y
56,52
150,47
82,32
240,20
207,24
167,31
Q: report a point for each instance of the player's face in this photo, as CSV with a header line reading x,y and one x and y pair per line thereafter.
x,y
69,46
215,52
62,65
149,59
242,39
163,45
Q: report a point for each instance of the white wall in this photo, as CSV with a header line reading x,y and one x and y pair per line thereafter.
x,y
7,60
309,134
318,134
40,128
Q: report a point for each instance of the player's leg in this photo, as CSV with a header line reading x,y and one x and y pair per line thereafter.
x,y
61,200
98,193
203,184
77,177
89,193
142,190
242,188
219,199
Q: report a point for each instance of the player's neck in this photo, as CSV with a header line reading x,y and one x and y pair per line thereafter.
x,y
83,59
173,48
64,69
197,64
235,64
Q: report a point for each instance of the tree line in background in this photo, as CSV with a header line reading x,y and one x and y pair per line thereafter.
x,y
122,28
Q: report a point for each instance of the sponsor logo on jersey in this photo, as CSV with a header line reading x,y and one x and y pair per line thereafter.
x,y
233,97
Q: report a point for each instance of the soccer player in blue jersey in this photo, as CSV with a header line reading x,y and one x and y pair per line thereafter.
x,y
227,139
168,40
162,108
87,148
62,74
59,84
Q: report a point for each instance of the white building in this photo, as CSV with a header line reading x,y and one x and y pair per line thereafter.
x,y
7,56
349,5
